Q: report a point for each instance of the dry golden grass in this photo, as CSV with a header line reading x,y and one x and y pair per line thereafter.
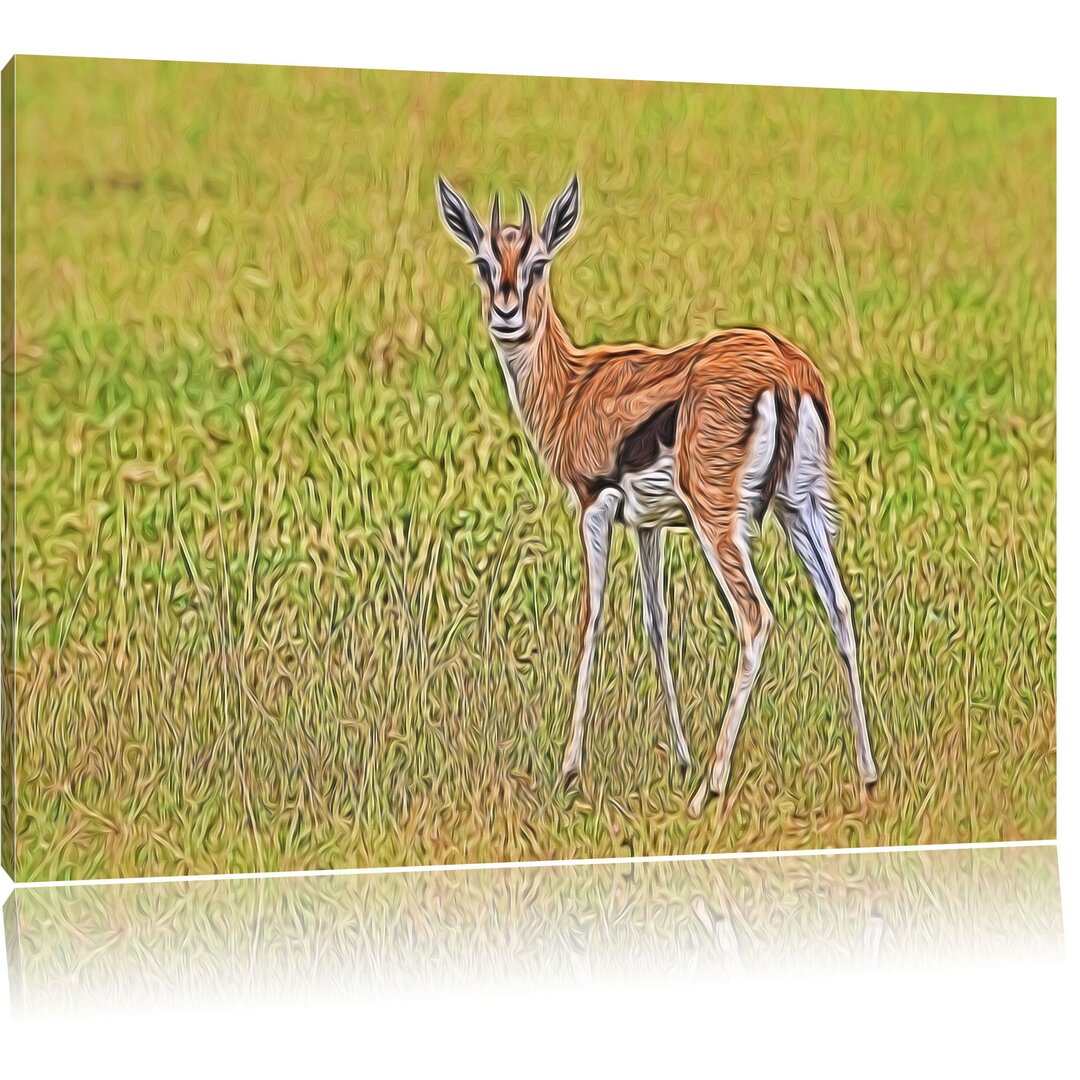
x,y
292,590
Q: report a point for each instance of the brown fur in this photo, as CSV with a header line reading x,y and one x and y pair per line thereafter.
x,y
582,405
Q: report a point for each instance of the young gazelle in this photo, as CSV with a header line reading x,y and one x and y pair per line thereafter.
x,y
707,435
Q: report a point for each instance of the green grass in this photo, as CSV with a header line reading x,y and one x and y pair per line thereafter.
x,y
294,592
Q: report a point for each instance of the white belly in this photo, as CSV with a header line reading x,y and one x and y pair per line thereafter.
x,y
650,498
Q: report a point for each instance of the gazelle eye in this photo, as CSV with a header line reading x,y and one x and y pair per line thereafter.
x,y
484,270
537,270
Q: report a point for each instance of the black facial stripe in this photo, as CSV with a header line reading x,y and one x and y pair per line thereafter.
x,y
530,281
525,293
486,281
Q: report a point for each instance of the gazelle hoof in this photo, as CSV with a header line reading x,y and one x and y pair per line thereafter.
x,y
701,797
569,776
868,793
681,754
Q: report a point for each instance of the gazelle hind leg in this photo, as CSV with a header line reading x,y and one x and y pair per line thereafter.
x,y
730,562
804,507
651,561
722,478
809,533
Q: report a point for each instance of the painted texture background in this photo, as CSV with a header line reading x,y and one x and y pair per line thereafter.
x,y
293,591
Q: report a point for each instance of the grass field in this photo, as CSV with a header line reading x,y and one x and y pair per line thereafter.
x,y
292,589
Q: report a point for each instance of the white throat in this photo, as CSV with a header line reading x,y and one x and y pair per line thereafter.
x,y
516,362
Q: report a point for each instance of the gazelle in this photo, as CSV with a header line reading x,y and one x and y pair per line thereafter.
x,y
707,435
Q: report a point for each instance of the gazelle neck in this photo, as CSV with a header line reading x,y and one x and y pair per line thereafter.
x,y
538,375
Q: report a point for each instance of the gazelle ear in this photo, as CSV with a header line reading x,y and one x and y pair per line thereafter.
x,y
562,217
459,219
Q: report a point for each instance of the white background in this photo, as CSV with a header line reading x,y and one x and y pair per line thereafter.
x,y
1002,1021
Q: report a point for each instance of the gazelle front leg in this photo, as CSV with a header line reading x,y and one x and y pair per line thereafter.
x,y
651,559
596,523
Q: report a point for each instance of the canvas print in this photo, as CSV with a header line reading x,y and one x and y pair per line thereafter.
x,y
416,469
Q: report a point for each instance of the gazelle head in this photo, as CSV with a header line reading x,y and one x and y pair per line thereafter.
x,y
511,260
